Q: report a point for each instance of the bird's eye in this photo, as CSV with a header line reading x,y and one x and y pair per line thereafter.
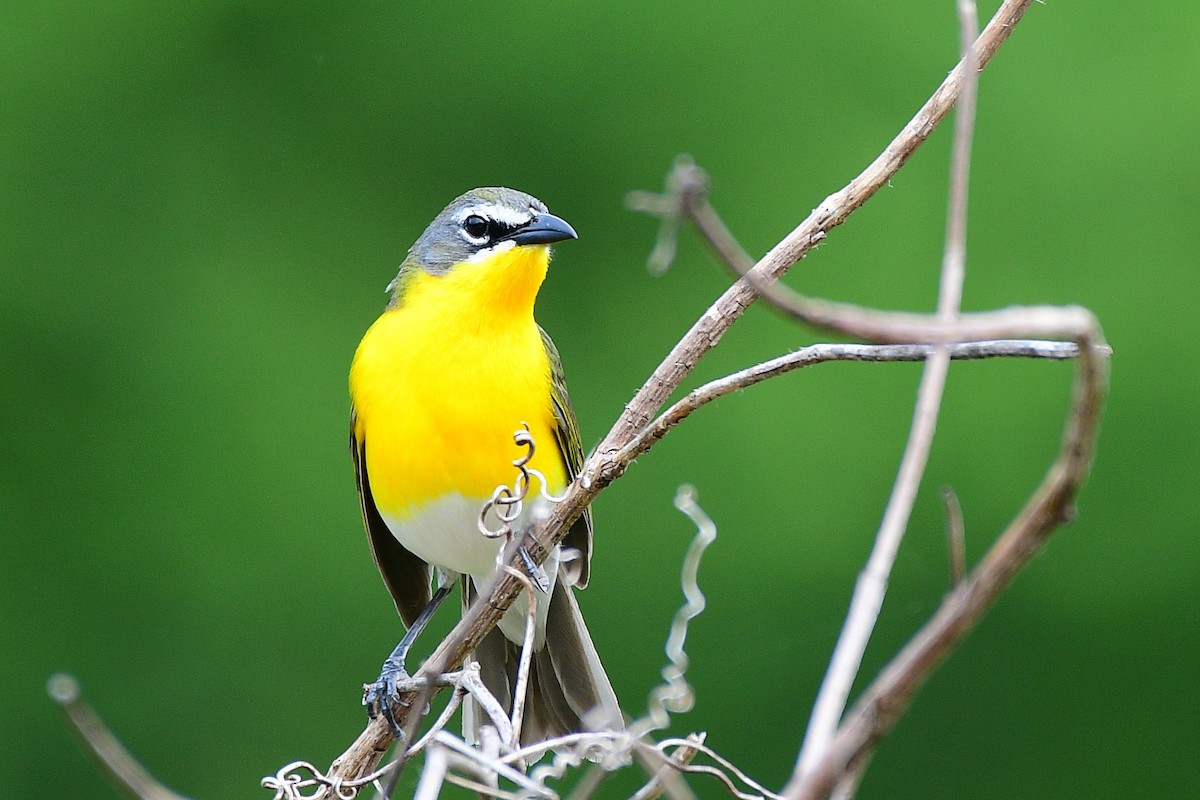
x,y
476,227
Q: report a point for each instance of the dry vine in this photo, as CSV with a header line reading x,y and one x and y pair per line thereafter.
x,y
838,745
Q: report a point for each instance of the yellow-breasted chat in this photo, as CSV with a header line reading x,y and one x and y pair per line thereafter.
x,y
438,387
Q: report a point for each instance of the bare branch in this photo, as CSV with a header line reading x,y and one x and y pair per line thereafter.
x,y
1048,508
722,772
526,659
124,770
444,717
437,765
1069,322
824,353
602,467
847,785
889,696
680,759
480,763
872,583
488,703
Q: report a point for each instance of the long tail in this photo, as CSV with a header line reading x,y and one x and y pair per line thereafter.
x,y
568,688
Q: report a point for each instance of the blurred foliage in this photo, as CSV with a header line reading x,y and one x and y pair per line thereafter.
x,y
200,205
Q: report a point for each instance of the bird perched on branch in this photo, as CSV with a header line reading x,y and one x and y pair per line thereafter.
x,y
439,385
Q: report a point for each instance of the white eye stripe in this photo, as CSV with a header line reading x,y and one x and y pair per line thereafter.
x,y
506,215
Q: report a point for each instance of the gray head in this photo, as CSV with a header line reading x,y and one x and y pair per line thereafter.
x,y
483,221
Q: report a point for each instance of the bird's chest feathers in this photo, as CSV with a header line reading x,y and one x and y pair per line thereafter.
x,y
440,385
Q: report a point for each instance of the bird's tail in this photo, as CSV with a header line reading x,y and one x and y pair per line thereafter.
x,y
568,690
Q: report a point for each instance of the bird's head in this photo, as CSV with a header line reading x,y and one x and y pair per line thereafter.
x,y
489,237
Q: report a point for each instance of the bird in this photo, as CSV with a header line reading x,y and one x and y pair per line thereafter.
x,y
439,385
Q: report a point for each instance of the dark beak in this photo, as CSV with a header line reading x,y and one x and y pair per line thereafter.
x,y
545,228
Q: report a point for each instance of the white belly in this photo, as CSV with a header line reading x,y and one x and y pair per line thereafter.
x,y
445,533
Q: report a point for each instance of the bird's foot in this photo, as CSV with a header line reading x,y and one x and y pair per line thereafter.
x,y
383,696
534,569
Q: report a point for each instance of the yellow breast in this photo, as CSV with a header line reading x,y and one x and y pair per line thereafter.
x,y
441,383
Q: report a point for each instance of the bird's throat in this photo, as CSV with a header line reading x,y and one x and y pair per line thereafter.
x,y
498,289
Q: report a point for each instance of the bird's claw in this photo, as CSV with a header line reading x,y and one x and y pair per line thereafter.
x,y
382,697
535,570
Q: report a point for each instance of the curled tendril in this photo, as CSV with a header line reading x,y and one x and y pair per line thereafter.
x,y
508,502
289,784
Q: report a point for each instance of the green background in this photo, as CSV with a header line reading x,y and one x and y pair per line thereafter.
x,y
200,205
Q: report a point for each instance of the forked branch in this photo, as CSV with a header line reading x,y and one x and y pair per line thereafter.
x,y
834,755
889,696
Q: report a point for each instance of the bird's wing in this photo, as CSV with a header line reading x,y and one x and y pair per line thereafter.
x,y
570,447
406,576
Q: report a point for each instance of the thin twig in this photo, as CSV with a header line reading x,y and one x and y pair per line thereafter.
x,y
489,751
673,695
526,659
443,718
723,773
956,536
847,785
833,211
485,791
824,353
433,774
488,703
586,787
871,587
479,763
680,759
124,770
653,761
725,764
